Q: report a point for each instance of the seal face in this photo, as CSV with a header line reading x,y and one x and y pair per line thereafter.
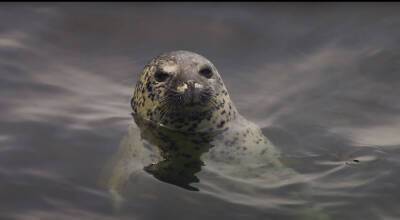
x,y
183,91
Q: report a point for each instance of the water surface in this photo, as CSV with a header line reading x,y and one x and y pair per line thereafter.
x,y
322,80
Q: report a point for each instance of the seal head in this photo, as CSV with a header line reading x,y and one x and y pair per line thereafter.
x,y
183,91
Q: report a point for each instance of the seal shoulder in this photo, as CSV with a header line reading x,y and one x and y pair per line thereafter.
x,y
133,153
244,143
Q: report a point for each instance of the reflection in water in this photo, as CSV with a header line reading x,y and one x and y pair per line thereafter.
x,y
180,152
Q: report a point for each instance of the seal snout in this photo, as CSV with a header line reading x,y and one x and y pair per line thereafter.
x,y
190,86
191,91
193,86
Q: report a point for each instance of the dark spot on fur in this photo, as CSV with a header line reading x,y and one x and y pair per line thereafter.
x,y
235,139
221,124
149,87
185,155
263,151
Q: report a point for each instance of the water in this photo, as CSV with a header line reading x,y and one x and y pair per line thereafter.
x,y
322,80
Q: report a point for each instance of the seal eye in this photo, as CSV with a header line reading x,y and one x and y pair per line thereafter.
x,y
161,76
206,72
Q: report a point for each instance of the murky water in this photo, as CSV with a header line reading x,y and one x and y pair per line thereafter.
x,y
322,80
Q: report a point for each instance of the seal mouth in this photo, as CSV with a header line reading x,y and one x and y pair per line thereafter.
x,y
194,98
188,101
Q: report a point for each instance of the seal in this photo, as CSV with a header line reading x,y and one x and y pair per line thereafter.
x,y
187,124
187,120
183,92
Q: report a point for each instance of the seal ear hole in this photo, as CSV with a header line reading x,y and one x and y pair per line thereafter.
x,y
161,76
206,72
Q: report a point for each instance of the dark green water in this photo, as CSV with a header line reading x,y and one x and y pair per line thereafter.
x,y
322,80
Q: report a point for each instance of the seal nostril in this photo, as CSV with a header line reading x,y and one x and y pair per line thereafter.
x,y
190,84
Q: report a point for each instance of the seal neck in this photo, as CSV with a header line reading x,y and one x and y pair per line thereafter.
x,y
181,152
